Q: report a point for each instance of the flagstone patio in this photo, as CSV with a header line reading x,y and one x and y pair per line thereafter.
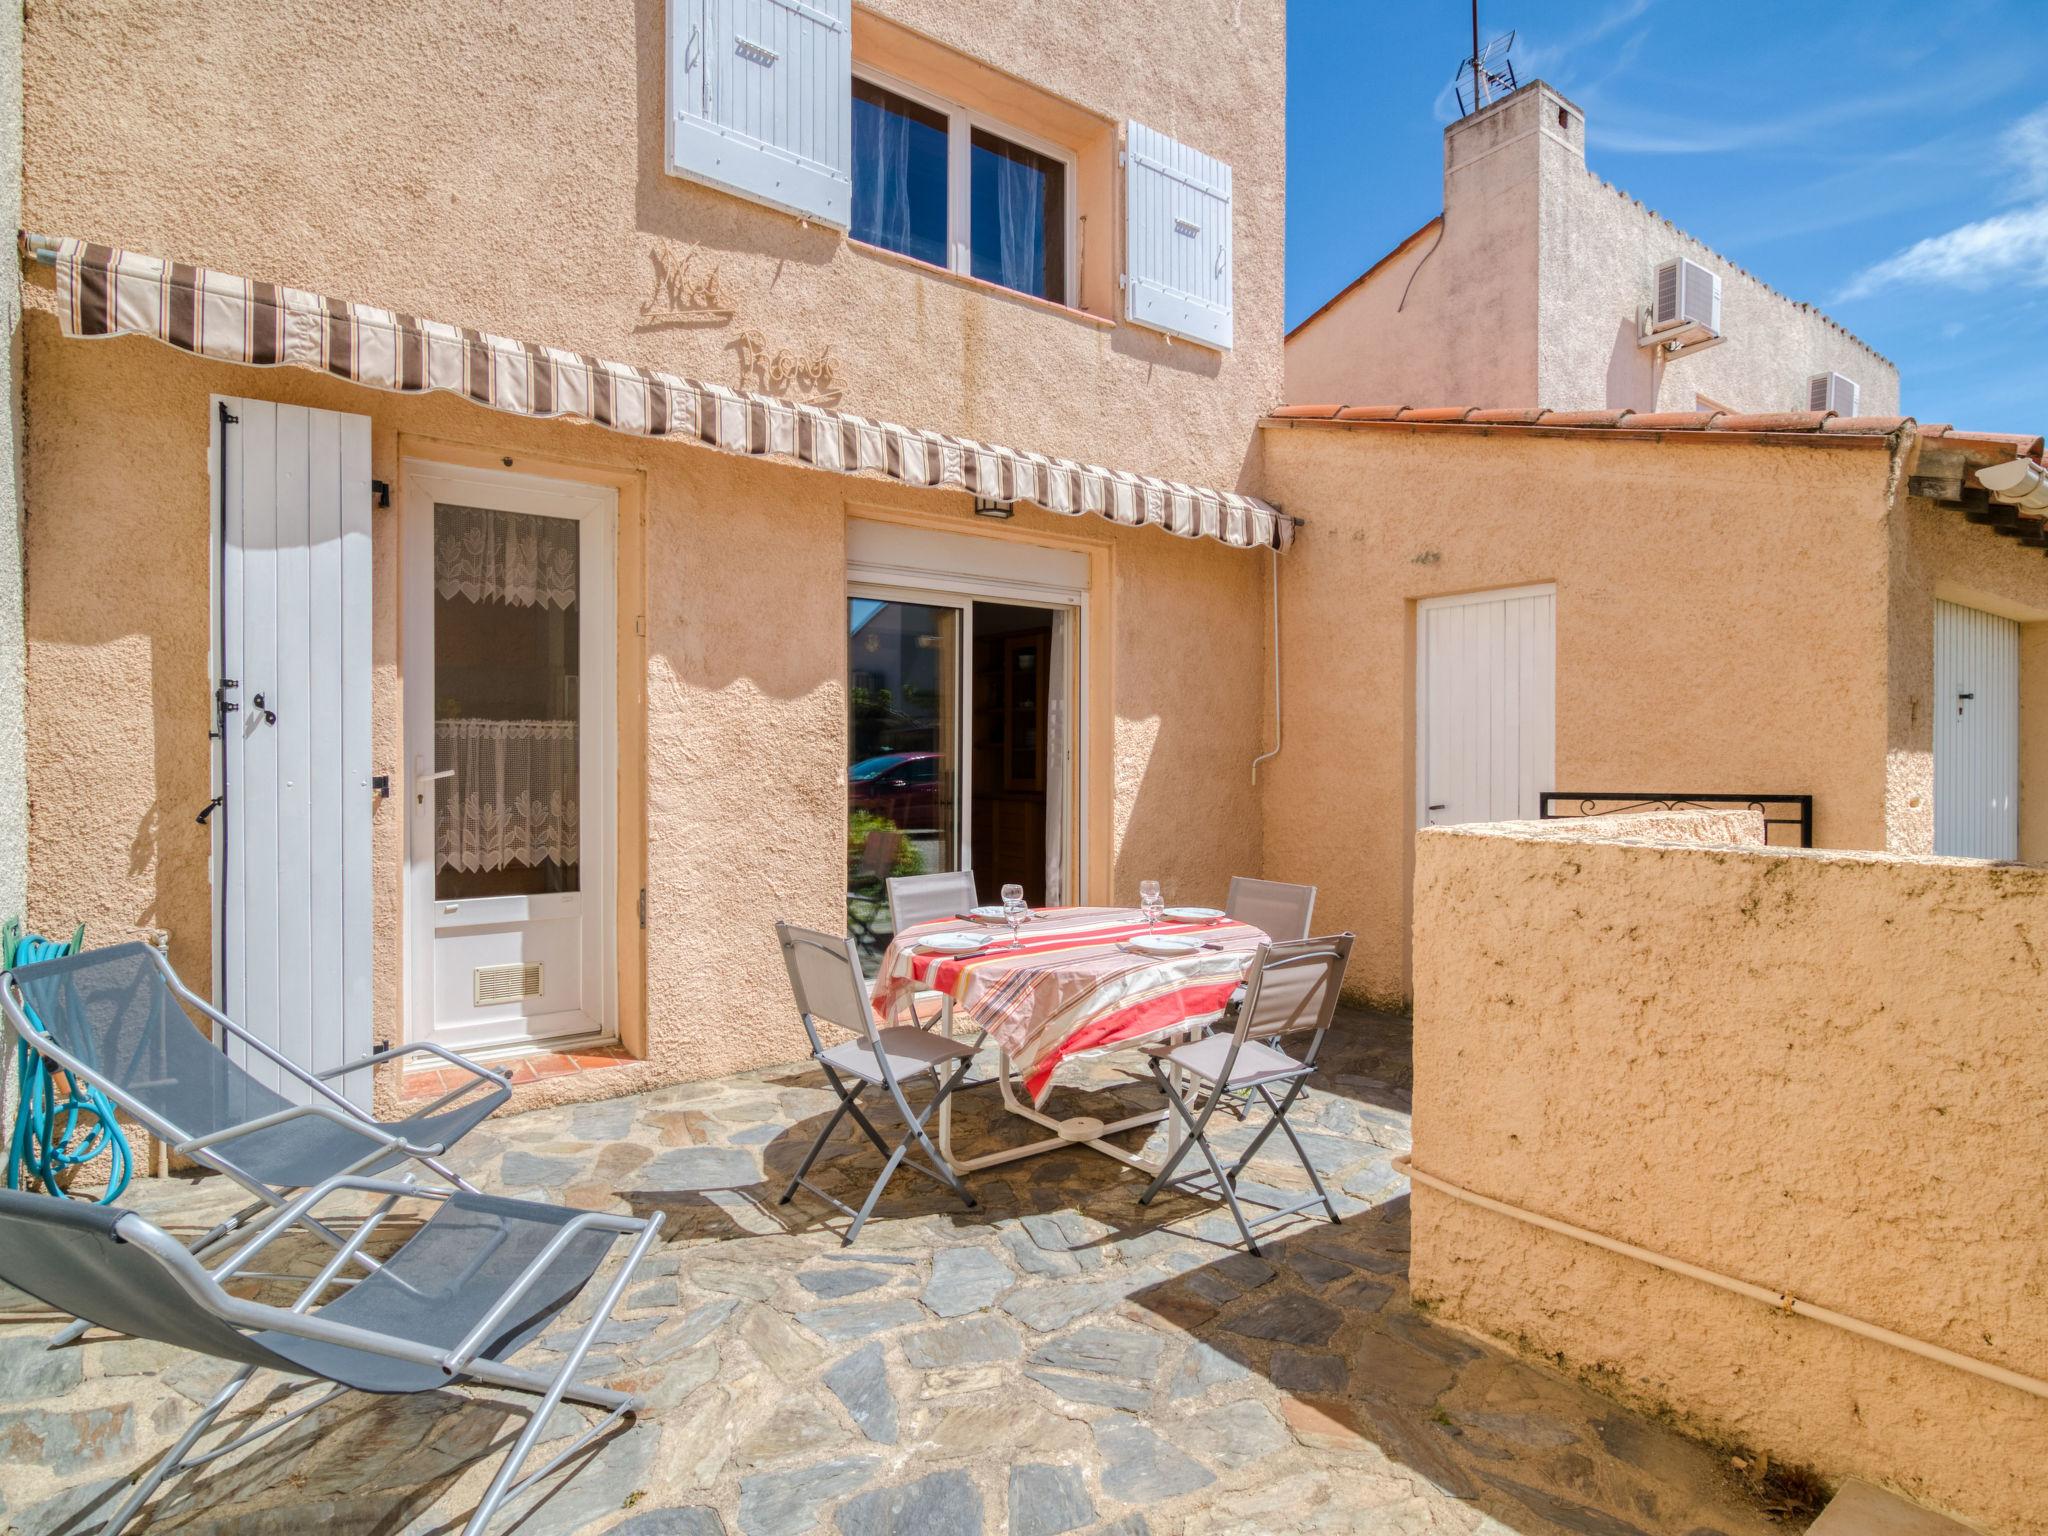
x,y
1059,1360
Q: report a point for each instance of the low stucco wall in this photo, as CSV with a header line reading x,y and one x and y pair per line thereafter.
x,y
1817,1072
743,676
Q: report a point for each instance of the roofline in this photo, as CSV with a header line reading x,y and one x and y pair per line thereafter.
x,y
1819,429
1345,291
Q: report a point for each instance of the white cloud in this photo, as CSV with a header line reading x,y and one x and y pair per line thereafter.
x,y
2007,248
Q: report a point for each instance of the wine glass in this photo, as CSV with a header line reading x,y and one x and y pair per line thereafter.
x,y
1151,902
1014,912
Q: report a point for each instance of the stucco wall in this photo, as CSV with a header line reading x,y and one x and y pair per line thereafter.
x,y
13,789
1815,1072
1531,297
744,678
1721,627
502,167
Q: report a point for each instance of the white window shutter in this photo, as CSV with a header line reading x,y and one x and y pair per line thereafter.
x,y
1177,238
760,101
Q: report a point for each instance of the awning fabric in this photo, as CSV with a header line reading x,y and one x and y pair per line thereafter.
x,y
106,291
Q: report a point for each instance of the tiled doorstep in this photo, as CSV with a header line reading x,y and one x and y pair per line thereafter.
x,y
432,1082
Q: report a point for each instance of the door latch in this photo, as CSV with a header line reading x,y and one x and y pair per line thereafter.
x,y
211,806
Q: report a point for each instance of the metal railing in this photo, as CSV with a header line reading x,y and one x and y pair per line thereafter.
x,y
1792,811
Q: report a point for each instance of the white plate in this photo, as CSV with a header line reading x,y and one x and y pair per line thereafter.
x,y
953,943
1194,914
986,914
1164,948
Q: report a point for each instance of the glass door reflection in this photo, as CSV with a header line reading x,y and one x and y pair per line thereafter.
x,y
903,760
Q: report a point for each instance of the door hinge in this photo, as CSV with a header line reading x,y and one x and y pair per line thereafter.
x,y
643,906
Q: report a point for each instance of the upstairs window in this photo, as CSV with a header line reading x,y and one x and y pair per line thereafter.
x,y
939,183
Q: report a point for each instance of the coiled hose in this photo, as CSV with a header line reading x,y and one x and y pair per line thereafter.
x,y
53,1135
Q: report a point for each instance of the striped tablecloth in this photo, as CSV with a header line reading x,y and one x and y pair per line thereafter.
x,y
1072,989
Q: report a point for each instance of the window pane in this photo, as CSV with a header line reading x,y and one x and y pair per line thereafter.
x,y
506,701
899,174
1020,218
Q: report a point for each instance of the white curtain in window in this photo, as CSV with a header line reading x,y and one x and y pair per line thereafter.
x,y
513,800
504,557
881,188
1020,226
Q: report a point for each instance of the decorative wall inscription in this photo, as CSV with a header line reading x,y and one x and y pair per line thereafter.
x,y
814,378
686,290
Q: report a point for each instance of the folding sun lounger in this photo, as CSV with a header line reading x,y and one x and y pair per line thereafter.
x,y
464,1294
113,1018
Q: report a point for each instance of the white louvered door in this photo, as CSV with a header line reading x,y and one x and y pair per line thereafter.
x,y
760,101
1486,705
1177,238
291,835
1976,733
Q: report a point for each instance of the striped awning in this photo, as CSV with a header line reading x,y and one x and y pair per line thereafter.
x,y
106,291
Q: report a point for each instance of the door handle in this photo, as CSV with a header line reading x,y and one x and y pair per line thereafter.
x,y
422,780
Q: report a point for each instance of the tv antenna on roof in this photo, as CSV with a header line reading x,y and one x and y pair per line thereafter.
x,y
1492,71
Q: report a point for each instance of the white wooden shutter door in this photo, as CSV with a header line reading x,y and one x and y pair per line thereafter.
x,y
292,836
1976,733
1177,238
1486,703
760,101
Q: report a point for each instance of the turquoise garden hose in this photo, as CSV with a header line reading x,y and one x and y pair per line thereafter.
x,y
53,1135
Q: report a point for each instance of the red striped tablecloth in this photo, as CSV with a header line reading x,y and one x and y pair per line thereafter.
x,y
1072,989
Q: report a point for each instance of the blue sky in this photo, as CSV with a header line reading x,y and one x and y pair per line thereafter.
x,y
1886,161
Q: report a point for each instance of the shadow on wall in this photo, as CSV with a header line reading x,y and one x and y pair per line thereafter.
x,y
1631,372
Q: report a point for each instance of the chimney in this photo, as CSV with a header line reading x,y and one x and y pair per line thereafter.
x,y
1512,140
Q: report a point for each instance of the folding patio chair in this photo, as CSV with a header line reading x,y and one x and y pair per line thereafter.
x,y
824,976
1277,909
468,1290
112,1018
926,899
1292,989
1281,912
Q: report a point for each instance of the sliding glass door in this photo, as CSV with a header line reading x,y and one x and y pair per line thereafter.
x,y
903,776
960,747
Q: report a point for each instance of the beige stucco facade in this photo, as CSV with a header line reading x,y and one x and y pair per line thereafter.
x,y
519,188
1813,1072
13,725
1526,292
1743,616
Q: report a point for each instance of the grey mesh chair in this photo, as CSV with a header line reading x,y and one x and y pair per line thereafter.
x,y
116,1018
1280,911
1291,990
467,1291
824,976
926,899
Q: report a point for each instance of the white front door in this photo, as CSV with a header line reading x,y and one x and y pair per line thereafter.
x,y
508,656
291,676
1976,733
1486,705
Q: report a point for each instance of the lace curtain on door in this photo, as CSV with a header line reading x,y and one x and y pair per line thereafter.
x,y
513,799
504,557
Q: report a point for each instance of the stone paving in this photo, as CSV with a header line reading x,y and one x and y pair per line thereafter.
x,y
1059,1360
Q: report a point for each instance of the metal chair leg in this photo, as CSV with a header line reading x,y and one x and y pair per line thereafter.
x,y
172,1459
810,1157
1194,1133
1280,1119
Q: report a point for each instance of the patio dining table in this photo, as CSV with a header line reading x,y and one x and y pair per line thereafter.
x,y
1069,987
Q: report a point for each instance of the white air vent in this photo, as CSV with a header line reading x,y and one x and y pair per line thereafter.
x,y
1688,299
1832,392
494,984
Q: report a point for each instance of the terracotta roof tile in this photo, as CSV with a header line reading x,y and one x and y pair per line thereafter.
x,y
1585,418
1814,426
1772,421
1674,421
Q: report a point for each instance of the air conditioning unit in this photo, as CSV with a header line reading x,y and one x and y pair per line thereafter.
x,y
1684,312
1832,392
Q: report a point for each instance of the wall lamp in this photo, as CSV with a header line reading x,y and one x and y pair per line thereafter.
x,y
988,506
